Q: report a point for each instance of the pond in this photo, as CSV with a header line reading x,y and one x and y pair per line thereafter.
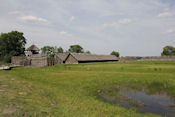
x,y
157,103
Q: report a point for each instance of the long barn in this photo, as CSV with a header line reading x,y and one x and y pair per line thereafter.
x,y
76,58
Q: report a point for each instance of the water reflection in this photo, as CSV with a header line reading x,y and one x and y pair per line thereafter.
x,y
160,104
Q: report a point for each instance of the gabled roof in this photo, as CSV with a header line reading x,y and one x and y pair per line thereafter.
x,y
33,47
92,57
62,56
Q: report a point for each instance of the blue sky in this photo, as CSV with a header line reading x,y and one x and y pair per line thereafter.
x,y
132,27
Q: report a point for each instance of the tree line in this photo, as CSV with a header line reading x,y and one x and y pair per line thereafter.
x,y
51,50
13,44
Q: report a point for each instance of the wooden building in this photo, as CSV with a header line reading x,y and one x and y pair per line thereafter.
x,y
33,58
33,49
38,60
76,58
60,58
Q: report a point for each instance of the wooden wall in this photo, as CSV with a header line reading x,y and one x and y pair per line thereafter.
x,y
71,60
51,61
39,61
20,60
58,60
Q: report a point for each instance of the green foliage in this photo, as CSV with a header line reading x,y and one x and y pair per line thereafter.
x,y
11,44
76,49
139,57
88,52
168,51
60,50
49,50
117,54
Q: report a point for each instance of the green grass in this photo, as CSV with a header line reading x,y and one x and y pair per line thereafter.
x,y
72,90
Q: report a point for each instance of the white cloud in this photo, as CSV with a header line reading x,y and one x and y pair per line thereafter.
x,y
34,19
120,22
166,9
72,18
125,21
64,33
170,31
165,14
29,18
110,25
14,12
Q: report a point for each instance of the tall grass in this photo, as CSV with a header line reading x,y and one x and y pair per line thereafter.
x,y
72,90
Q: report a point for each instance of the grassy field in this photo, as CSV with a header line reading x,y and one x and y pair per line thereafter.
x,y
72,90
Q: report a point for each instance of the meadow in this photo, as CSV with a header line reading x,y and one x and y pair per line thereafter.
x,y
72,90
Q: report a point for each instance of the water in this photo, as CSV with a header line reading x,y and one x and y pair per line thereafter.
x,y
160,104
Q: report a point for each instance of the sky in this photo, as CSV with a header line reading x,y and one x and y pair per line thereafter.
x,y
132,27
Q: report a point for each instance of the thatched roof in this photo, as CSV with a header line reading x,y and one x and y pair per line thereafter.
x,y
92,57
33,47
62,56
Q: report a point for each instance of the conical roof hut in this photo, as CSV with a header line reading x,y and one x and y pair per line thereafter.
x,y
34,49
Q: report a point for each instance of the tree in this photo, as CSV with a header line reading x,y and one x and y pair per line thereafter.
x,y
117,54
168,51
12,44
88,52
48,50
60,50
76,49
